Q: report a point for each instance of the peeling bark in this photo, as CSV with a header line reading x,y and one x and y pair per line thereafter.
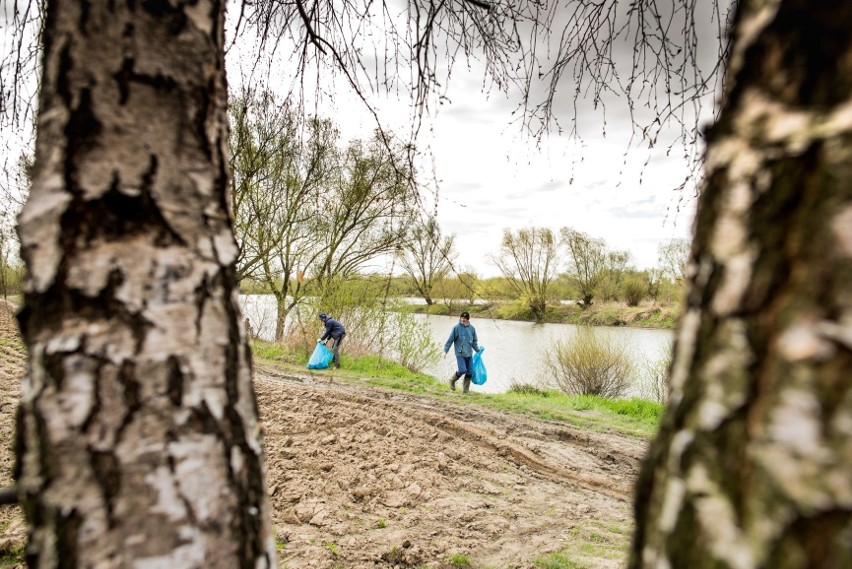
x,y
753,463
140,443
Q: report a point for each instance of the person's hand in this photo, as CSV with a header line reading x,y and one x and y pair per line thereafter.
x,y
319,340
445,354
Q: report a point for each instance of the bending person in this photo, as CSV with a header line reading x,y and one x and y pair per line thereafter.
x,y
335,331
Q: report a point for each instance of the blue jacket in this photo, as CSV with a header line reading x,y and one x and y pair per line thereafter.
x,y
465,340
333,329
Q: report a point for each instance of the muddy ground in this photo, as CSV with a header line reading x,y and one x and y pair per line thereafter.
x,y
361,477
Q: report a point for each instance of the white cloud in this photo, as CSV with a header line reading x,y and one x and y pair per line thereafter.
x,y
487,175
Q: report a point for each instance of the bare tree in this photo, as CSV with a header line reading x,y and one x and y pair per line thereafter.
x,y
530,46
528,261
138,415
673,258
365,212
751,467
587,259
617,264
279,179
654,279
427,257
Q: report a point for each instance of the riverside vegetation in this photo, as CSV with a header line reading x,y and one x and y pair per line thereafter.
x,y
379,466
599,314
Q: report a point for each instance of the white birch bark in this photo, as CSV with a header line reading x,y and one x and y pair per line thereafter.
x,y
140,444
753,464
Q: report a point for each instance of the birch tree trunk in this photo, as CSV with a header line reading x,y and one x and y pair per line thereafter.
x,y
753,463
139,443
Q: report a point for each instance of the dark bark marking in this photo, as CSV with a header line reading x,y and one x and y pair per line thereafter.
x,y
175,381
67,530
20,448
174,17
63,84
202,295
686,546
116,216
814,542
107,474
132,400
85,7
124,75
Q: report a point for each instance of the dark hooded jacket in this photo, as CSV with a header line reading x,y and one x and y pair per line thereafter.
x,y
333,329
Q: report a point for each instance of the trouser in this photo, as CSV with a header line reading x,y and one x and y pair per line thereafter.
x,y
335,350
465,368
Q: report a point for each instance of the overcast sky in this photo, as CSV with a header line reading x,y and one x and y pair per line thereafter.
x,y
491,177
488,176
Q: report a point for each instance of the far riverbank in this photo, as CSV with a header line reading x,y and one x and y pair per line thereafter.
x,y
599,314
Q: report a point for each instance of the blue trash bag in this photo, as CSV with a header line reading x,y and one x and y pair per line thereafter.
x,y
321,357
480,375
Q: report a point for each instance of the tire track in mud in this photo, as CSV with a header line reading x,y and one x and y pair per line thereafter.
x,y
501,446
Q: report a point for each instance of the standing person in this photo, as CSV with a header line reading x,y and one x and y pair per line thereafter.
x,y
335,331
463,336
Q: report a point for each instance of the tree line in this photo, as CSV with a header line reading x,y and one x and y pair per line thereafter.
x,y
312,210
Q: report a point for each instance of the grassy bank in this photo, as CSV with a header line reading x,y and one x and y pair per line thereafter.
x,y
601,314
635,417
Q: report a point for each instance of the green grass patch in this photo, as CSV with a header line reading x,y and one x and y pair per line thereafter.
x,y
555,561
630,416
638,410
633,417
459,560
275,352
332,547
13,557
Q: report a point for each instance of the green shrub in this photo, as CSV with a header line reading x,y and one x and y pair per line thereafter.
x,y
528,389
590,364
514,311
635,291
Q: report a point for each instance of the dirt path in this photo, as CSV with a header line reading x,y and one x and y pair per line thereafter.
x,y
362,478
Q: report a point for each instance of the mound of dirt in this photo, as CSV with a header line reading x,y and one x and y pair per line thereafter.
x,y
362,478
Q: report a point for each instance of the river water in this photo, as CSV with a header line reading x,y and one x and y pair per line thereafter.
x,y
514,351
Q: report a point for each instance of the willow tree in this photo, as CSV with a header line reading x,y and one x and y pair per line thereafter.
x,y
751,467
281,170
528,261
427,256
139,442
587,262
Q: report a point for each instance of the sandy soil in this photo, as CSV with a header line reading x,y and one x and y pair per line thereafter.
x,y
362,478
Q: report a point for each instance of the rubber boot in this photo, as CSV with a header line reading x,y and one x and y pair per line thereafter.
x,y
453,379
466,387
